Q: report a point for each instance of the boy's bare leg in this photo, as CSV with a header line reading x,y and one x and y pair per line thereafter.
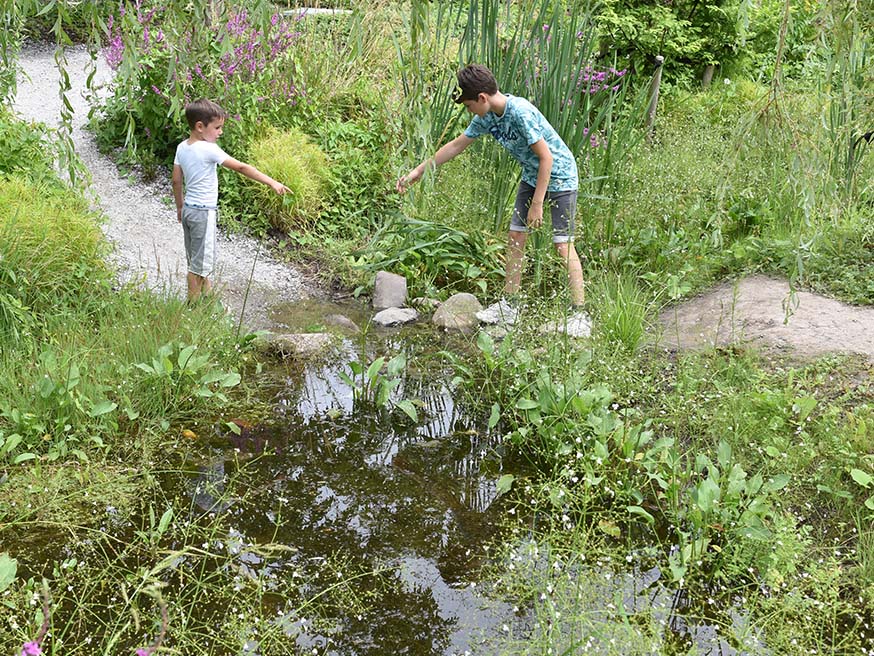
x,y
197,285
569,256
515,255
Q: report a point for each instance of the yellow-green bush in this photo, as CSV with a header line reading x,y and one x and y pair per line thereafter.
x,y
50,245
293,159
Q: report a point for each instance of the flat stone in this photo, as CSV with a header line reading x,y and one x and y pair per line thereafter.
x,y
395,316
300,345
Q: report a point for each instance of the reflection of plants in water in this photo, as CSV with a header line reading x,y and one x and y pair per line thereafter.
x,y
370,385
191,575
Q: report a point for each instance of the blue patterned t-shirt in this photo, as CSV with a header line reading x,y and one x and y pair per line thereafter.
x,y
520,126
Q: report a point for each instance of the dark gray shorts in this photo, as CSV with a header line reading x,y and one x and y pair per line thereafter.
x,y
562,206
199,230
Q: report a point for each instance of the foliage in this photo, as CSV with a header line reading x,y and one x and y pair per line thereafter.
x,y
178,574
686,33
371,386
435,258
69,340
360,173
622,311
51,248
241,55
295,160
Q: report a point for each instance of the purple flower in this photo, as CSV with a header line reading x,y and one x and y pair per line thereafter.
x,y
142,651
31,649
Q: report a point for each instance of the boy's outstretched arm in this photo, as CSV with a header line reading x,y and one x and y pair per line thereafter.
x,y
251,172
446,153
177,190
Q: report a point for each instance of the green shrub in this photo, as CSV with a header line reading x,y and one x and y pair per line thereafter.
x,y
50,247
293,159
24,150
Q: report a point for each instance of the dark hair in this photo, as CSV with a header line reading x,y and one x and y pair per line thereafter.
x,y
203,110
473,80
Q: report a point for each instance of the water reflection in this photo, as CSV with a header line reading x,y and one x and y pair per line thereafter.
x,y
335,478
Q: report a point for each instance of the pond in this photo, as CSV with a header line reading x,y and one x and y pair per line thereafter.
x,y
379,524
376,489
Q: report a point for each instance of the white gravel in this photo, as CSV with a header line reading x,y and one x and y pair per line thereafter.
x,y
140,218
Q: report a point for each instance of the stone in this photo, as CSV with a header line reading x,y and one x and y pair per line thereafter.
x,y
394,316
577,325
342,322
458,312
389,290
300,345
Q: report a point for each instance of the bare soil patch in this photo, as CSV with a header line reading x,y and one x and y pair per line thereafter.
x,y
761,311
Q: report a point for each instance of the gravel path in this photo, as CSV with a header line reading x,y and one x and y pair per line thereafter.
x,y
141,219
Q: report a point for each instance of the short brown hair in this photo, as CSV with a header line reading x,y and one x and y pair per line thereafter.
x,y
473,80
203,110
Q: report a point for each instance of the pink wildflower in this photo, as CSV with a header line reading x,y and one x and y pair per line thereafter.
x,y
31,649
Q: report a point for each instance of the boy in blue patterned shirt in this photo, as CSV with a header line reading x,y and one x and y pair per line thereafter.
x,y
549,174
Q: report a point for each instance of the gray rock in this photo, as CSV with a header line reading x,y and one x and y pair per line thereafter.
x,y
300,345
577,325
342,322
395,316
389,290
458,312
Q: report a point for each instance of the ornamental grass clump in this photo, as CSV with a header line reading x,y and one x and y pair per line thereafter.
x,y
50,247
292,158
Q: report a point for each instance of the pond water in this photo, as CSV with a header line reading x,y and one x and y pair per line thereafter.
x,y
372,487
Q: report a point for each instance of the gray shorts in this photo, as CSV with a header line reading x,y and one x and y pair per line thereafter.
x,y
562,206
199,230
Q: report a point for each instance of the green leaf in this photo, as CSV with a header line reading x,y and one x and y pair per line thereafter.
x,y
185,355
8,568
777,483
495,417
723,454
527,404
485,343
637,510
706,494
231,380
374,368
23,457
11,442
166,518
862,478
102,408
396,365
408,409
504,483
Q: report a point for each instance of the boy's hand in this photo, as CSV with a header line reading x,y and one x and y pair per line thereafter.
x,y
405,181
535,215
279,188
179,214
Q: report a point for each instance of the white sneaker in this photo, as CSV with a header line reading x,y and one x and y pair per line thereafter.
x,y
500,312
578,324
